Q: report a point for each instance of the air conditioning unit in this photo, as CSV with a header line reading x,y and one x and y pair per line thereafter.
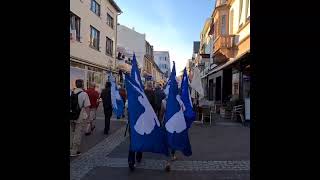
x,y
73,35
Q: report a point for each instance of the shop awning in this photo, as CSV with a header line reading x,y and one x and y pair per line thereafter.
x,y
218,68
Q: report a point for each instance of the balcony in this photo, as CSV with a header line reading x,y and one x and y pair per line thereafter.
x,y
223,42
223,48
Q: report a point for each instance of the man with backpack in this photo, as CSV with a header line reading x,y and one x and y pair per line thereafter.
x,y
79,113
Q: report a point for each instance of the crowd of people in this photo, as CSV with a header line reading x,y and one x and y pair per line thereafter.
x,y
84,104
83,109
88,101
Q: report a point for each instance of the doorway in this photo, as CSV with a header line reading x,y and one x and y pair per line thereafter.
x,y
211,90
218,88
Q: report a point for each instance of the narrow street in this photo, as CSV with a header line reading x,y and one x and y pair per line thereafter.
x,y
219,152
154,51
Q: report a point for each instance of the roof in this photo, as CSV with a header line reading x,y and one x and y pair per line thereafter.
x,y
161,51
114,4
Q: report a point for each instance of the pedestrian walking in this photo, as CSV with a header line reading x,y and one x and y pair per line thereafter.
x,y
107,106
150,93
138,155
159,96
172,151
123,95
94,101
79,113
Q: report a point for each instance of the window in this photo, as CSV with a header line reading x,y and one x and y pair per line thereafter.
x,y
95,7
223,25
165,58
235,88
240,11
110,20
94,38
75,25
109,47
223,2
231,22
248,9
235,82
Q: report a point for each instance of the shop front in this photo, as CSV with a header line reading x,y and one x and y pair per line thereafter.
x,y
245,89
88,73
241,83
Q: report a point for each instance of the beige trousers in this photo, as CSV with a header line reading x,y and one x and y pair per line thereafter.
x,y
76,131
91,122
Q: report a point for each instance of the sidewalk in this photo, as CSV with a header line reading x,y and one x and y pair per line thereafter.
x,y
98,135
219,152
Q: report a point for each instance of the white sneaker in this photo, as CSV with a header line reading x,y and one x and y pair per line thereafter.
x,y
174,158
77,154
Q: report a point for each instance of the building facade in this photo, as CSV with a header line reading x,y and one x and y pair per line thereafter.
x,y
129,41
229,79
240,29
93,37
148,63
192,63
162,59
151,71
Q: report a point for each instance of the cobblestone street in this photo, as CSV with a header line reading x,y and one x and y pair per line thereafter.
x,y
219,152
167,60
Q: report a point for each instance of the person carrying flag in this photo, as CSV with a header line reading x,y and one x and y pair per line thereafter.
x,y
177,119
146,135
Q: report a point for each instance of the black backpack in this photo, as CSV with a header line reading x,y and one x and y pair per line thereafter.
x,y
74,106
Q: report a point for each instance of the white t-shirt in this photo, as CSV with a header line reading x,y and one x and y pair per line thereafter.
x,y
83,98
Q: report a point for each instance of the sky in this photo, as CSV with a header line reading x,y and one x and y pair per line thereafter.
x,y
169,25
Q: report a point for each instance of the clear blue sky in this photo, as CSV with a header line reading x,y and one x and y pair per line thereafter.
x,y
169,25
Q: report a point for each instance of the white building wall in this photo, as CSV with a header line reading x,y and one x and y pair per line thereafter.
x,y
81,49
133,42
83,53
237,20
161,58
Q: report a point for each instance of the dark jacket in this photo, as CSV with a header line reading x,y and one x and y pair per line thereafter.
x,y
159,96
106,99
151,97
